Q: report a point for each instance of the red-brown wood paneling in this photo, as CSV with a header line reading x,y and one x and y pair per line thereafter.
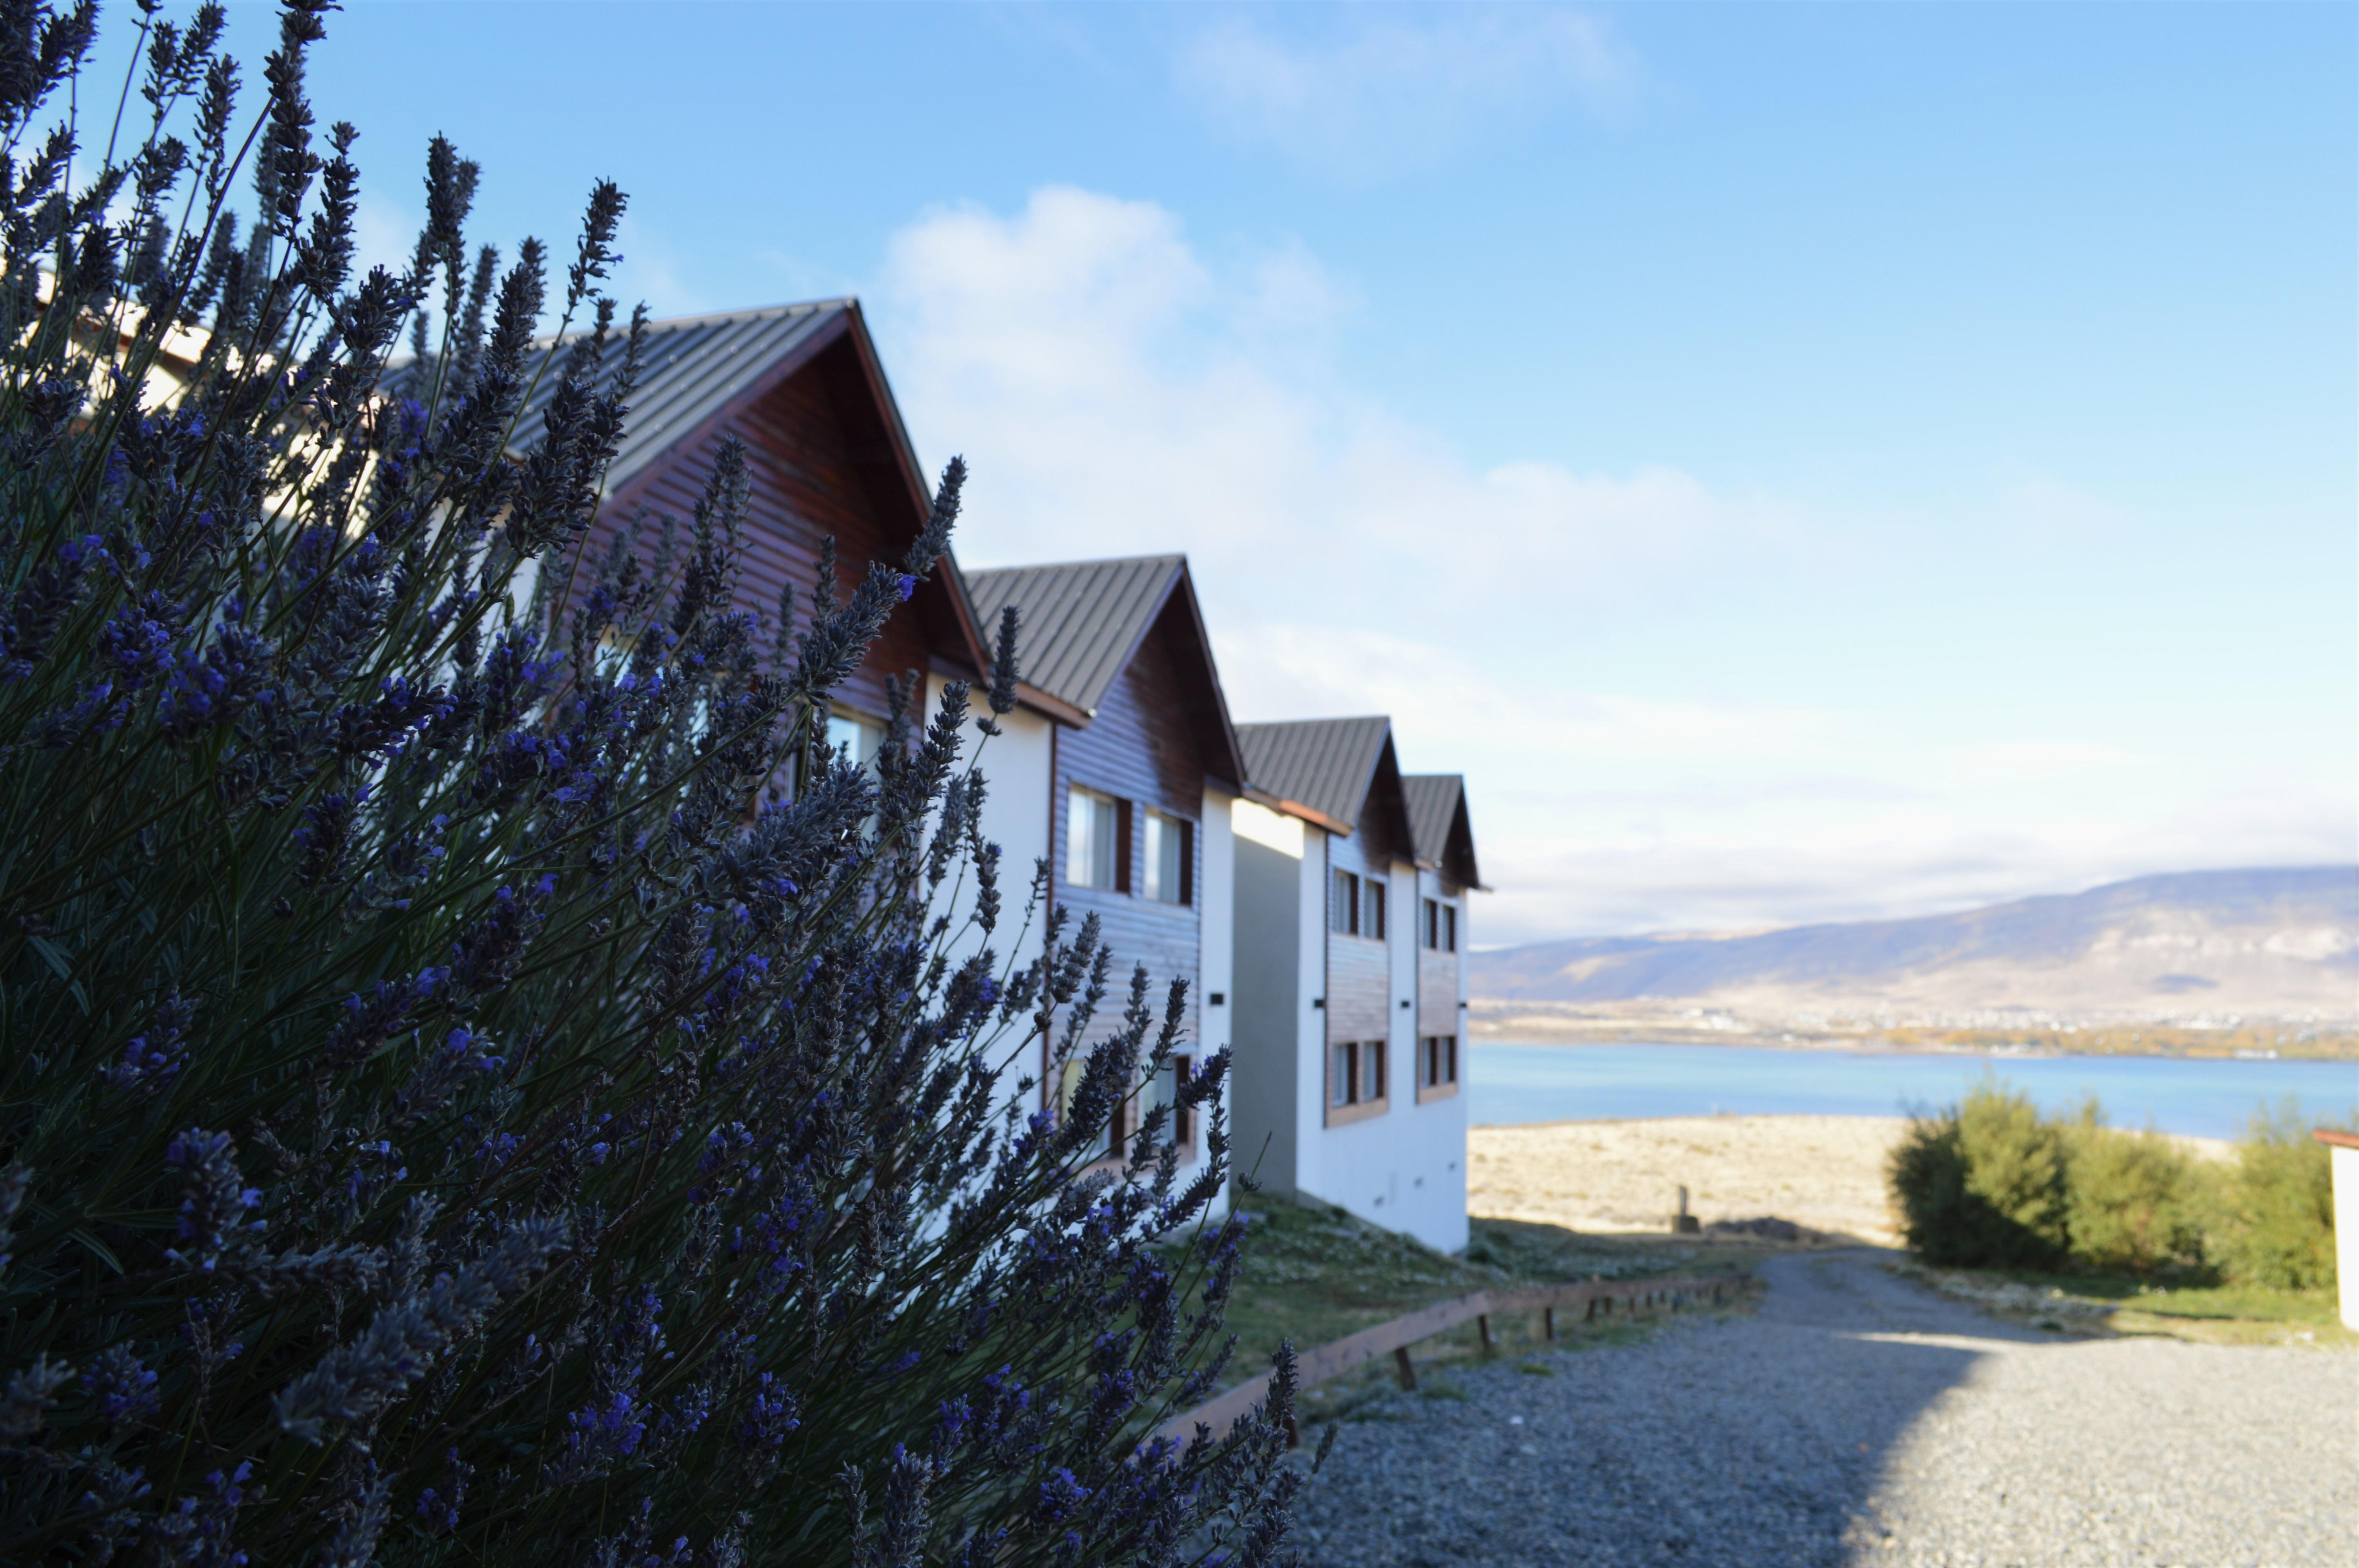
x,y
817,465
1359,968
1437,992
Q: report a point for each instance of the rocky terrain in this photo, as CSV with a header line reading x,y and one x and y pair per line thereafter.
x,y
1856,1418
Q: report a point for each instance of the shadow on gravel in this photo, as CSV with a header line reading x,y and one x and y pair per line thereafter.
x,y
1736,1440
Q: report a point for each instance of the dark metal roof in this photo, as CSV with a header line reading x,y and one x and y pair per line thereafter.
x,y
1432,801
1440,824
693,368
1321,768
1078,623
690,368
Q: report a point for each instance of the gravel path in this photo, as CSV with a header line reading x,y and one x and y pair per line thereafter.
x,y
1858,1419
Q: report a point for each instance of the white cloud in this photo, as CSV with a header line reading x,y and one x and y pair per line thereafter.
x,y
1392,93
2021,760
1119,389
1117,392
1444,702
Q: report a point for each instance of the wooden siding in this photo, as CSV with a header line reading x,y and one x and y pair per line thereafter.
x,y
1141,748
1437,992
818,465
1359,968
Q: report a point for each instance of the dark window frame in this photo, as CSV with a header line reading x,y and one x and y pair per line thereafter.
x,y
1186,831
1343,903
1437,1067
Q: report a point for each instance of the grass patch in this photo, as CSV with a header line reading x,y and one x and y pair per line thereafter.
x,y
2118,1304
1312,1274
2251,1303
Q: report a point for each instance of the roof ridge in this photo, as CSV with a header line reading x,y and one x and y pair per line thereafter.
x,y
712,318
1172,556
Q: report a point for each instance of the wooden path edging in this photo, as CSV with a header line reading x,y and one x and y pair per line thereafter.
x,y
1595,1298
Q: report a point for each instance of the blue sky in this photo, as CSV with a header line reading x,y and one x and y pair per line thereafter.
x,y
1801,463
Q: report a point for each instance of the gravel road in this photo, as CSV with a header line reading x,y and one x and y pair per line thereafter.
x,y
1857,1418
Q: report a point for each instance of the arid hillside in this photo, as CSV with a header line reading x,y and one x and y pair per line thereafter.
x,y
2277,943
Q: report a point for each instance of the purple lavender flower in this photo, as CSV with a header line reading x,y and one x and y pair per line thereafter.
x,y
122,1384
217,1200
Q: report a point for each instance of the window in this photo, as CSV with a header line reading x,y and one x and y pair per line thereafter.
x,y
1094,841
1343,909
1166,1090
1355,1074
1430,931
1449,928
1170,858
1357,908
858,737
1437,1061
1109,1143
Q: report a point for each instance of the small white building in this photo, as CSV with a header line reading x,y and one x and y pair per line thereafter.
x,y
1117,769
1351,917
2342,1154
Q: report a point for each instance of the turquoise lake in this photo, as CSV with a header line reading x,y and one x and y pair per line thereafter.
x,y
1507,1084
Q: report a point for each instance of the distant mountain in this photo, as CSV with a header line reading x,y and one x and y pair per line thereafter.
x,y
2276,940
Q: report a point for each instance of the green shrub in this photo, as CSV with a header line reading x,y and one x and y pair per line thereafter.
x,y
2135,1201
1991,1183
2276,1227
1963,1190
2017,1162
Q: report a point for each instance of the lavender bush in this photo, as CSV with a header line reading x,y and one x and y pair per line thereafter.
x,y
478,1080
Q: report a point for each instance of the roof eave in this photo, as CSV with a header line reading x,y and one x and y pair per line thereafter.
x,y
1311,813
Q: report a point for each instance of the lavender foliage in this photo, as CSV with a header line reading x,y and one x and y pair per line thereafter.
x,y
480,1080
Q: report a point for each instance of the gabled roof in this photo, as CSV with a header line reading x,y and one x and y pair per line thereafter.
x,y
694,371
1080,623
1317,769
1440,826
693,367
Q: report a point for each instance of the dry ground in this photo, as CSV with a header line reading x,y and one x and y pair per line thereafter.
x,y
1824,1172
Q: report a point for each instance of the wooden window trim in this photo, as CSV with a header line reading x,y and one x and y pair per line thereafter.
x,y
1343,903
1186,830
1357,1110
1427,1092
1076,792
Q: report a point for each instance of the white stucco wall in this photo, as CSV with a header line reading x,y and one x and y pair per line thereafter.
x,y
1314,1157
2344,1162
1405,1170
1016,769
1216,959
1266,995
